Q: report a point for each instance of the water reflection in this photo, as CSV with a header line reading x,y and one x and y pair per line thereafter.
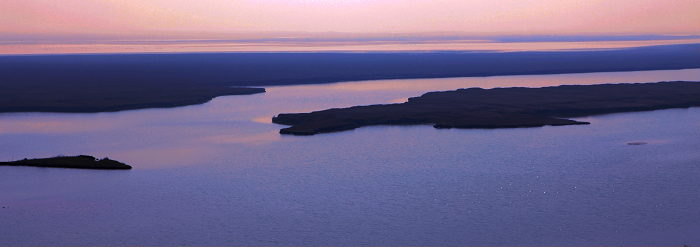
x,y
185,135
248,139
59,123
211,175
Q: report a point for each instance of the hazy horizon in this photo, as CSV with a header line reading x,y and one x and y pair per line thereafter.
x,y
258,19
62,44
127,26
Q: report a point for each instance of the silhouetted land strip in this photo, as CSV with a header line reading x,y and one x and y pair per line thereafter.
x,y
99,98
114,82
81,161
500,107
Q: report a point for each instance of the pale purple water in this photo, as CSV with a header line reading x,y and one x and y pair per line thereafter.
x,y
219,174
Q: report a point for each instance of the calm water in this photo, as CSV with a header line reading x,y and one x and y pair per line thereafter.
x,y
220,174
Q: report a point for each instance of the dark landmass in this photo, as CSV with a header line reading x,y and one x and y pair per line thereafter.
x,y
107,99
81,161
114,82
500,107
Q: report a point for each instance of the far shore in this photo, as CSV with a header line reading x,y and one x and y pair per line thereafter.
x,y
117,82
108,100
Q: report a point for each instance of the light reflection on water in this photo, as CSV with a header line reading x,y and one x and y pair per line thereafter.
x,y
217,174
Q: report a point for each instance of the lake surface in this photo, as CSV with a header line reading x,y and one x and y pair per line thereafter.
x,y
220,174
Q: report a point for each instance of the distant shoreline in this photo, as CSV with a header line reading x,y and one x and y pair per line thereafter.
x,y
117,82
121,100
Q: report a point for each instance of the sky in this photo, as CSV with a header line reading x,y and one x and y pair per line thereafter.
x,y
227,18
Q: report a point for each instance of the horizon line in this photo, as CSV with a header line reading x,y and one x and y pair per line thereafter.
x,y
295,37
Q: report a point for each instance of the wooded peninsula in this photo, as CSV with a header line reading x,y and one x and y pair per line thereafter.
x,y
500,107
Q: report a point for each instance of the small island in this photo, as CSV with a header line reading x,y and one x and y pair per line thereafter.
x,y
500,107
80,161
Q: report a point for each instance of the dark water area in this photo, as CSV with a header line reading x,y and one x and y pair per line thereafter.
x,y
221,174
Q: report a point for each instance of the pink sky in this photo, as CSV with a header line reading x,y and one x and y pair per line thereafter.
x,y
202,18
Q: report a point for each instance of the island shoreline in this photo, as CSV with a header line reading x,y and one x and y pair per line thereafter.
x,y
71,162
515,107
